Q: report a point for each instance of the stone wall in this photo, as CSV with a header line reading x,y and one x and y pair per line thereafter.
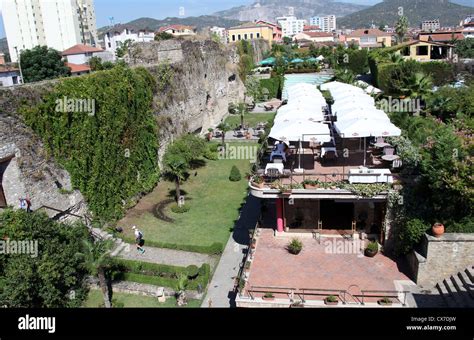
x,y
438,258
205,80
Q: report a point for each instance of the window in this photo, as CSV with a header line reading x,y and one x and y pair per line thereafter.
x,y
239,37
15,80
258,35
245,36
406,51
233,37
251,35
422,50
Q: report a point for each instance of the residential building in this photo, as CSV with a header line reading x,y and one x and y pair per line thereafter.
x,y
314,36
118,34
312,28
468,27
55,23
80,54
78,70
277,31
9,75
250,31
370,38
442,36
426,50
326,23
291,25
430,25
178,30
220,32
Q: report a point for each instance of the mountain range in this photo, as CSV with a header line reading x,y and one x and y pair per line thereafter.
x,y
386,13
270,9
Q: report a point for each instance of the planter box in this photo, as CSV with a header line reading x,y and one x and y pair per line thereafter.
x,y
258,185
370,253
330,303
382,303
268,298
310,186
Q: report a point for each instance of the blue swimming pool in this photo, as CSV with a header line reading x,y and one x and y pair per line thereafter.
x,y
308,78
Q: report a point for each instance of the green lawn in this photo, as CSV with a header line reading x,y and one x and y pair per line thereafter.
x,y
95,299
251,119
214,204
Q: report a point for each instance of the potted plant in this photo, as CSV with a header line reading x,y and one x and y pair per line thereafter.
x,y
331,300
437,229
257,181
295,246
385,302
311,184
286,189
268,297
372,249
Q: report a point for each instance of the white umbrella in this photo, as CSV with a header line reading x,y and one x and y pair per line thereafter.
x,y
352,95
351,106
358,128
288,116
301,130
362,114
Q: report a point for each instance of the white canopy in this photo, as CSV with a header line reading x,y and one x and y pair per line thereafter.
x,y
301,130
356,128
305,94
352,105
372,114
289,116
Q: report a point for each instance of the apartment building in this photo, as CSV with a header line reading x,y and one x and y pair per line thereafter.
x,y
250,31
430,25
58,24
325,23
118,34
291,25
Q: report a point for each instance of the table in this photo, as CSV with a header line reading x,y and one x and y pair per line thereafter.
x,y
370,176
381,145
278,166
390,158
326,149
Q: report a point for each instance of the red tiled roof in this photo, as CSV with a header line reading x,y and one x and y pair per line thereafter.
x,y
76,68
446,36
175,27
368,32
268,23
7,68
318,34
311,27
81,49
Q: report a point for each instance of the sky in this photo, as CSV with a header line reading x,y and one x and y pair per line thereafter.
x,y
126,10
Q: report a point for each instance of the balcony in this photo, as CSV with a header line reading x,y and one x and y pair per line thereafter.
x,y
329,171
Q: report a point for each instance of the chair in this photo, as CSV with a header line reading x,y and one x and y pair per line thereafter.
x,y
273,173
277,159
238,134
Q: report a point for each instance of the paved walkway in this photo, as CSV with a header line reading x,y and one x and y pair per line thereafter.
x,y
167,256
220,290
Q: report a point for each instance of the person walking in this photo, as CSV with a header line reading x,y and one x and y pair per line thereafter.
x,y
138,239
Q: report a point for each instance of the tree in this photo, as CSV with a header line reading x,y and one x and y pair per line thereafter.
x,y
418,85
123,48
252,88
345,76
401,28
41,63
163,36
176,168
242,110
287,40
465,48
49,275
96,257
224,127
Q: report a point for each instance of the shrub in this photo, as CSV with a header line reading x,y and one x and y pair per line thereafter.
x,y
442,73
295,246
192,271
410,236
331,298
373,246
235,175
273,87
213,249
268,296
180,209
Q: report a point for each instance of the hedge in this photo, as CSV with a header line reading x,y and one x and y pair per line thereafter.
x,y
273,85
161,274
441,72
214,249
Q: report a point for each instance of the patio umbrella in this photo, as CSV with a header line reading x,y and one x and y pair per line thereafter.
x,y
372,114
297,61
300,130
300,114
361,128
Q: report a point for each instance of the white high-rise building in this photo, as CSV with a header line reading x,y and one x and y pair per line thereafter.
x,y
290,25
58,24
326,23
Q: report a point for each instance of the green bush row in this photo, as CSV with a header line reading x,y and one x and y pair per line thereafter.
x,y
213,249
162,275
273,85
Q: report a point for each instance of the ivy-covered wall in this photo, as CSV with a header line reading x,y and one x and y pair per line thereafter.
x,y
111,154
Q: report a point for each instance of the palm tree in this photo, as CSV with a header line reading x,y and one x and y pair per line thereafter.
x,y
176,168
242,110
97,259
401,28
396,58
224,127
345,76
418,86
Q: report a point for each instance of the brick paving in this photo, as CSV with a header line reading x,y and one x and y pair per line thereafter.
x,y
274,266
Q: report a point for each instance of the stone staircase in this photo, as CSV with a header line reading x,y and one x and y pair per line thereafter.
x,y
119,244
458,290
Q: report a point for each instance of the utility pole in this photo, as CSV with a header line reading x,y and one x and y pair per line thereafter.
x,y
19,65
